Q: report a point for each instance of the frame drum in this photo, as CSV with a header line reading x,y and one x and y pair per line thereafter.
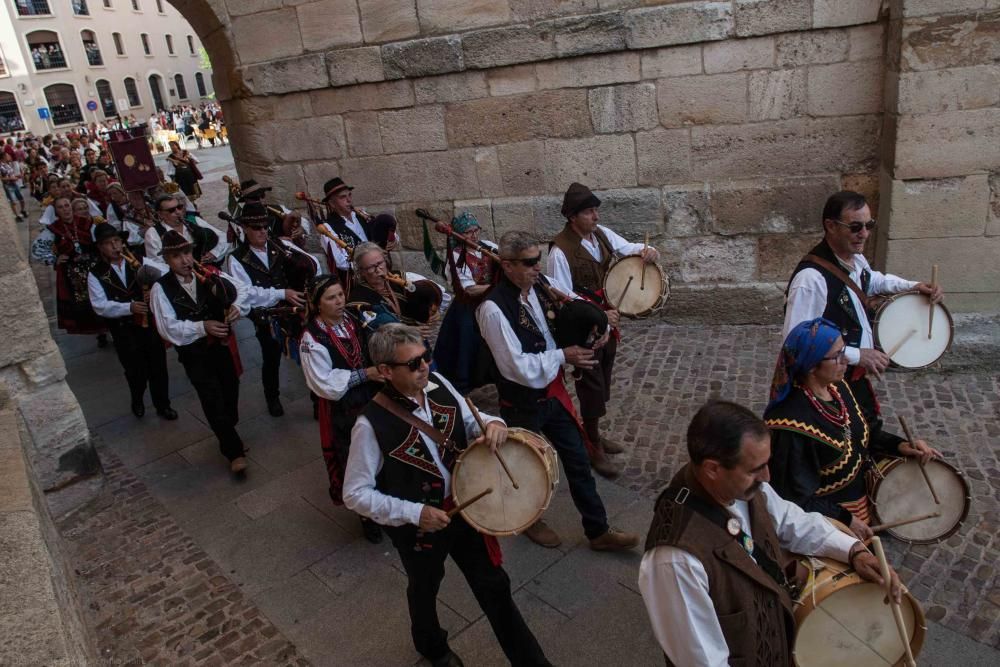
x,y
640,298
900,327
900,492
506,511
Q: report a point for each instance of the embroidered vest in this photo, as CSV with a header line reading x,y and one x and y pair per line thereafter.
x,y
114,290
839,307
272,275
588,273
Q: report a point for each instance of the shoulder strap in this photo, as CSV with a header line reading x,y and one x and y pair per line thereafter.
x,y
395,410
839,272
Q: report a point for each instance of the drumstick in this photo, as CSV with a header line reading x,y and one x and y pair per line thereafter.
x,y
902,522
923,470
624,292
458,508
645,247
482,427
930,317
902,341
897,613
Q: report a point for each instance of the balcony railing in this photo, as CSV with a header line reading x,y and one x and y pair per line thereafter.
x,y
32,7
47,56
93,54
80,8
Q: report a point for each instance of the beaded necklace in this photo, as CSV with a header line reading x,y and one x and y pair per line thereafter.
x,y
838,417
352,356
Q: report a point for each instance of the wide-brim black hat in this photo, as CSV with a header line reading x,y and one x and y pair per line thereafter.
x,y
174,242
577,198
104,231
250,187
254,215
333,186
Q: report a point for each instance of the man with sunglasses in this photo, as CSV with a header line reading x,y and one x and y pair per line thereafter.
x,y
209,245
403,451
827,281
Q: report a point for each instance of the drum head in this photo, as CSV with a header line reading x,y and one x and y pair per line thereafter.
x,y
901,328
505,511
903,493
641,296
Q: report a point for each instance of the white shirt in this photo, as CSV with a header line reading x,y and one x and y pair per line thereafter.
x,y
322,377
262,297
133,228
185,332
341,260
365,461
99,298
557,265
465,277
49,214
807,299
674,584
154,243
355,226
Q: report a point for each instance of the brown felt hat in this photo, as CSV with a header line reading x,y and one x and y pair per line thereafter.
x,y
254,215
174,242
577,198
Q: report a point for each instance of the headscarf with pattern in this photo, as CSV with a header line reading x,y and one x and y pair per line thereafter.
x,y
806,345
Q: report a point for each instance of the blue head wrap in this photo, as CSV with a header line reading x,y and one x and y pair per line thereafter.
x,y
462,223
803,350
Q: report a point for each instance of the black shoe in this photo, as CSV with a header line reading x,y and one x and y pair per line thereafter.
x,y
102,340
138,408
274,407
167,413
448,660
372,531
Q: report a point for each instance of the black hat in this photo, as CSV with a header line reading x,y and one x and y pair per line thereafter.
x,y
254,214
577,198
104,231
249,187
333,186
174,242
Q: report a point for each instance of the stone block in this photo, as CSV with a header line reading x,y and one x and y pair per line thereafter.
x,y
488,172
450,87
865,184
688,211
529,10
624,108
664,156
437,16
316,138
23,319
513,213
813,47
993,222
521,167
513,80
732,55
590,33
254,144
754,303
58,434
286,179
482,210
363,134
778,254
350,66
913,8
12,255
497,47
718,259
387,95
687,23
777,94
632,212
44,369
671,61
588,71
787,147
412,130
253,36
965,264
607,160
388,20
955,89
771,206
867,41
422,57
976,302
495,120
828,85
253,6
954,143
315,174
435,176
941,208
702,100
956,40
831,13
547,218
287,76
763,17
327,24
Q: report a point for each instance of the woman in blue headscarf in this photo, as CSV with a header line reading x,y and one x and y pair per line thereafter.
x,y
822,442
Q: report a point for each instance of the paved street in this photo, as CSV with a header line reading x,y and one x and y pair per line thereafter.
x,y
182,564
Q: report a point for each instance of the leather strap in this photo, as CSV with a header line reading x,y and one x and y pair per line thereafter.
x,y
397,411
839,273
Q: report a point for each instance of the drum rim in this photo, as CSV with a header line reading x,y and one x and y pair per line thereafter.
x,y
893,462
664,284
878,317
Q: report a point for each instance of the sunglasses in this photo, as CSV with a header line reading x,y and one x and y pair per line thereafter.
x,y
413,365
856,227
529,261
172,209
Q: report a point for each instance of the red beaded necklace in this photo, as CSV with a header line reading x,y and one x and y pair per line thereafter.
x,y
353,355
838,417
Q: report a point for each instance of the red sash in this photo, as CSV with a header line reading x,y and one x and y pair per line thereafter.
x,y
557,390
492,544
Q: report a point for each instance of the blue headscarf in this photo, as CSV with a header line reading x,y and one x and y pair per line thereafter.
x,y
803,350
462,223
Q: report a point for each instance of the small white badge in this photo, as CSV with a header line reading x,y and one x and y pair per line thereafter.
x,y
733,526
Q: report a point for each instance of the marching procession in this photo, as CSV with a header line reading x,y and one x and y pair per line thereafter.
x,y
763,546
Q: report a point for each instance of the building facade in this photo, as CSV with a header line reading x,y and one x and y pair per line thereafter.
x,y
68,62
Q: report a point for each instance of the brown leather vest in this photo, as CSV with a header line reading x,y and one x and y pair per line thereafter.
x,y
588,273
754,612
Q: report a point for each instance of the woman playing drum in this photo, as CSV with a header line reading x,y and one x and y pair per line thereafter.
x,y
822,442
335,361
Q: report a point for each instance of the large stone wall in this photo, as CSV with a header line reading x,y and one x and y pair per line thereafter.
x,y
717,127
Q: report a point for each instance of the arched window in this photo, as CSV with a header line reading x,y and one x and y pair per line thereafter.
x,y
190,44
63,105
107,98
181,88
199,81
10,115
119,44
170,44
80,7
32,8
132,92
46,51
144,38
90,47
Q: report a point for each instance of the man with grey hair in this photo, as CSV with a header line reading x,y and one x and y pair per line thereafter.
x,y
514,322
403,451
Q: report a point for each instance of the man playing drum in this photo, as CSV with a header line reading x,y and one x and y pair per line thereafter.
x,y
400,477
711,576
578,260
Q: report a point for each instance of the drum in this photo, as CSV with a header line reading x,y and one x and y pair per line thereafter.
x,y
900,327
900,492
506,511
841,619
632,294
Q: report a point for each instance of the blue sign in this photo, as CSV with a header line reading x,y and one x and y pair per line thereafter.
x,y
92,105
43,113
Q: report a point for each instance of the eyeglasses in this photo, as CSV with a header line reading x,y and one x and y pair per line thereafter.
x,y
841,353
172,209
413,365
374,267
528,261
856,227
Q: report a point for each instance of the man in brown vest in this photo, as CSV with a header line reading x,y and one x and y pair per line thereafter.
x,y
711,578
578,259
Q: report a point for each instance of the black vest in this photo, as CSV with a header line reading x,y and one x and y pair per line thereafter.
x,y
114,290
357,397
345,233
272,276
201,309
839,307
202,239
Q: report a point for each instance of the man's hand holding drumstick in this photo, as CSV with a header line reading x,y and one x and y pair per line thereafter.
x,y
494,435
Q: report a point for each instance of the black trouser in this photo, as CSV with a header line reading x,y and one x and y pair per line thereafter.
x,y
143,356
213,375
270,352
593,389
489,583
